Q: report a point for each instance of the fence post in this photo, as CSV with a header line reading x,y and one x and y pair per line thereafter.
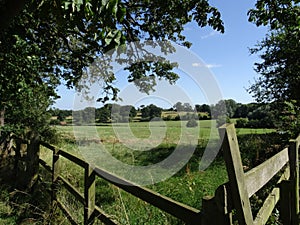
x,y
285,202
32,160
55,174
89,195
217,210
236,175
294,180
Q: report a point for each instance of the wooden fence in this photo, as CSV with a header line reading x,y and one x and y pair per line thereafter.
x,y
215,210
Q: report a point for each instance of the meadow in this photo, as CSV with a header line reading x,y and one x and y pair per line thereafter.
x,y
188,185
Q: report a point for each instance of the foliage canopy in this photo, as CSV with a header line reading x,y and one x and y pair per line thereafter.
x,y
52,41
280,50
280,54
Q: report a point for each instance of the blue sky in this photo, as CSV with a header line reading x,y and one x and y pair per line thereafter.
x,y
226,55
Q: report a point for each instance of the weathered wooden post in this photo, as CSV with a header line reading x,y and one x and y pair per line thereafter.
x,y
285,202
32,160
55,174
89,195
217,210
294,179
26,166
236,175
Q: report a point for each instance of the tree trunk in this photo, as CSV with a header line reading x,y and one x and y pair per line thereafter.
x,y
2,114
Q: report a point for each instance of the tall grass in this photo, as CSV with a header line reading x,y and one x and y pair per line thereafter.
x,y
188,185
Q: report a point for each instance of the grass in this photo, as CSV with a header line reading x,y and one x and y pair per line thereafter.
x,y
107,132
188,185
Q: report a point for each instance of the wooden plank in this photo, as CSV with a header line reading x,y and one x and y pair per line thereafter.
x,y
186,213
270,202
45,165
257,177
236,176
67,213
73,158
46,145
294,179
179,210
89,195
72,189
65,154
267,208
102,216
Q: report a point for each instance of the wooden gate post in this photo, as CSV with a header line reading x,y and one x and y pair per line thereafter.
x,y
32,160
89,195
217,210
294,180
285,202
236,175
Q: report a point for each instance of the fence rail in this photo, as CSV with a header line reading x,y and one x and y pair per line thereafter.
x,y
215,210
186,213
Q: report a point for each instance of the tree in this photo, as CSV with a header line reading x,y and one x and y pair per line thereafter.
x,y
62,115
133,112
219,109
25,92
103,115
151,111
64,38
203,108
179,107
231,106
279,51
71,33
9,9
53,41
241,111
187,107
192,123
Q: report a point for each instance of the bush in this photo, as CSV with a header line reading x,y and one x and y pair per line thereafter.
x,y
222,120
54,122
241,123
177,118
168,118
192,123
203,117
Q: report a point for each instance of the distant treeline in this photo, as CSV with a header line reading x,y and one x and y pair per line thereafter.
x,y
252,115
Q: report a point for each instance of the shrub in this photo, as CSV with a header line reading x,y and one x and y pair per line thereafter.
x,y
192,123
241,123
177,118
54,122
222,120
203,117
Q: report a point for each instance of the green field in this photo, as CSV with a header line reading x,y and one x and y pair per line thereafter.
x,y
141,130
188,185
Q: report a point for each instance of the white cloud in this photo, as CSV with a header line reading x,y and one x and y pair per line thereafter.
x,y
209,66
212,66
211,34
197,65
